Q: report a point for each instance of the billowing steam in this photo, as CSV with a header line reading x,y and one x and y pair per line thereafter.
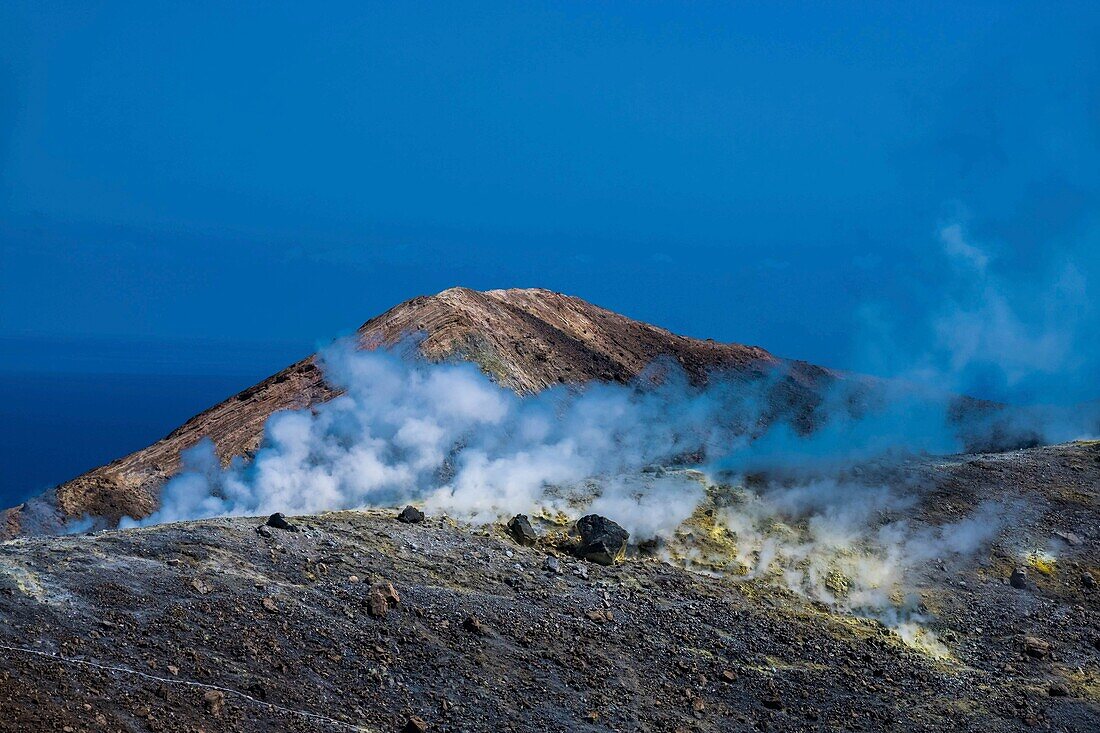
x,y
447,436
713,477
665,459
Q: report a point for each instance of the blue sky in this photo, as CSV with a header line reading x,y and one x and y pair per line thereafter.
x,y
271,175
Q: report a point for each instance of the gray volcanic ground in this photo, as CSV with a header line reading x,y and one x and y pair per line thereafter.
x,y
211,625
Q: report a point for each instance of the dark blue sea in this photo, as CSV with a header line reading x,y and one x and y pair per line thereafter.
x,y
69,407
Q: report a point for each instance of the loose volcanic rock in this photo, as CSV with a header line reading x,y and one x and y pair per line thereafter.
x,y
415,725
1057,689
388,592
1068,537
411,515
1018,579
521,530
602,541
278,521
105,632
214,701
377,605
1036,648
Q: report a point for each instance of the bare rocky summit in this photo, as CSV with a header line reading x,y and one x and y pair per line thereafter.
x,y
526,340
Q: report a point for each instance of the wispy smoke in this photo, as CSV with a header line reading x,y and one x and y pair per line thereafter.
x,y
774,496
447,437
1022,336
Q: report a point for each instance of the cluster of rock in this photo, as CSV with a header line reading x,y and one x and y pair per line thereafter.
x,y
599,539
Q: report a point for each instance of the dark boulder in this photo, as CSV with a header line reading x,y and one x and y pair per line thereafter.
x,y
602,541
1018,579
521,530
278,521
411,515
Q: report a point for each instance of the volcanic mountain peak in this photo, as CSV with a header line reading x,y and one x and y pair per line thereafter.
x,y
530,339
526,339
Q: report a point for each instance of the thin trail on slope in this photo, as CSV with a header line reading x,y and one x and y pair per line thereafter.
x,y
189,683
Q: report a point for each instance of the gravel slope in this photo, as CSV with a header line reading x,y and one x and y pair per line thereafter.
x,y
212,626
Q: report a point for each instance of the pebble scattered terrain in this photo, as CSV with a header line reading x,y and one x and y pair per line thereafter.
x,y
359,621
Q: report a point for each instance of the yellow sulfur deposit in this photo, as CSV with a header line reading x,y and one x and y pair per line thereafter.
x,y
1041,562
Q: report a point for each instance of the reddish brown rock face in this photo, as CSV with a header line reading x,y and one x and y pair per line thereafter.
x,y
526,340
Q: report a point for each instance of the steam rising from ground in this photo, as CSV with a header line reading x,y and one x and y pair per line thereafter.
x,y
447,437
771,499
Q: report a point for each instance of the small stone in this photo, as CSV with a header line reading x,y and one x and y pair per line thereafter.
x,y
377,605
1088,580
200,586
552,564
214,701
415,724
1068,537
1057,689
278,521
353,578
474,625
411,515
263,531
521,530
1018,579
598,615
269,605
728,676
388,592
1036,648
173,670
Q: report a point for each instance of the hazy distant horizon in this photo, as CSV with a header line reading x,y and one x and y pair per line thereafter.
x,y
68,405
